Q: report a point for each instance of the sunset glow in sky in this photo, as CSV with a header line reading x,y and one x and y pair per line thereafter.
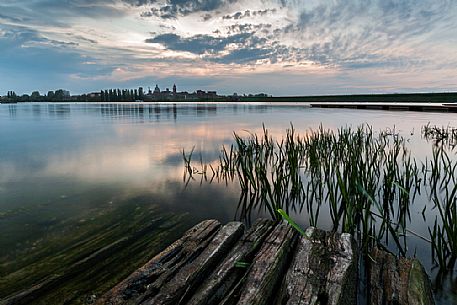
x,y
281,47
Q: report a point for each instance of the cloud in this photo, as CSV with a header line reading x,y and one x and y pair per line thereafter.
x,y
103,41
199,44
19,37
382,16
11,18
249,13
246,55
249,27
175,8
351,34
360,34
164,12
30,60
55,13
240,48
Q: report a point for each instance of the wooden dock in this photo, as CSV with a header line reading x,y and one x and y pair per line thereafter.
x,y
269,264
421,107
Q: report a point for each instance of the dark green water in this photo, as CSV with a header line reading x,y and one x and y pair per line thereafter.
x,y
77,178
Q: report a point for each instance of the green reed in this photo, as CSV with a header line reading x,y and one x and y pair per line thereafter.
x,y
187,161
443,181
367,181
441,136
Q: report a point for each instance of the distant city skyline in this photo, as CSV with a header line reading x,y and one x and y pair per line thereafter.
x,y
281,47
147,90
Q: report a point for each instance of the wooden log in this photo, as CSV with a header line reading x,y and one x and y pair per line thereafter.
x,y
399,281
267,269
323,271
342,278
233,268
147,280
178,289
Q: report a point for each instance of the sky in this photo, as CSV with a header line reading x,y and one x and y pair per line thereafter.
x,y
279,47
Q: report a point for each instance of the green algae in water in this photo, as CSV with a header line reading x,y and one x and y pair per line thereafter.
x,y
81,258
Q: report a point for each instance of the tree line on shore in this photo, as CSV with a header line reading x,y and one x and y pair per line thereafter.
x,y
121,95
60,95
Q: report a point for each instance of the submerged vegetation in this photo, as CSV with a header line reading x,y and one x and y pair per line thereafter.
x,y
441,136
79,259
365,181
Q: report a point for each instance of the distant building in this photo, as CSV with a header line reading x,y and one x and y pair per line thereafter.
x,y
94,94
157,94
156,90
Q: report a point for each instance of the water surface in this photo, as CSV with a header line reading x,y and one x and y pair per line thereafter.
x,y
71,171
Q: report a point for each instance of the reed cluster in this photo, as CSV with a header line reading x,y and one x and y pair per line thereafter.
x,y
365,180
441,177
441,136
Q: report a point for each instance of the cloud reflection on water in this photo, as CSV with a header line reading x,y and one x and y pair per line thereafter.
x,y
63,161
144,142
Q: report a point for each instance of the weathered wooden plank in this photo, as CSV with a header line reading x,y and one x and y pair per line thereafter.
x,y
232,269
178,289
323,271
342,278
147,280
399,281
266,270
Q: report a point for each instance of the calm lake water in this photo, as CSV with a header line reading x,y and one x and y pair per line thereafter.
x,y
71,171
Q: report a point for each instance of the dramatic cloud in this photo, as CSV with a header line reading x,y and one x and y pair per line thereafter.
x,y
361,45
199,44
248,13
174,8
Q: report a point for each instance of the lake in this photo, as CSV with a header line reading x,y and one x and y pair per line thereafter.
x,y
75,178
